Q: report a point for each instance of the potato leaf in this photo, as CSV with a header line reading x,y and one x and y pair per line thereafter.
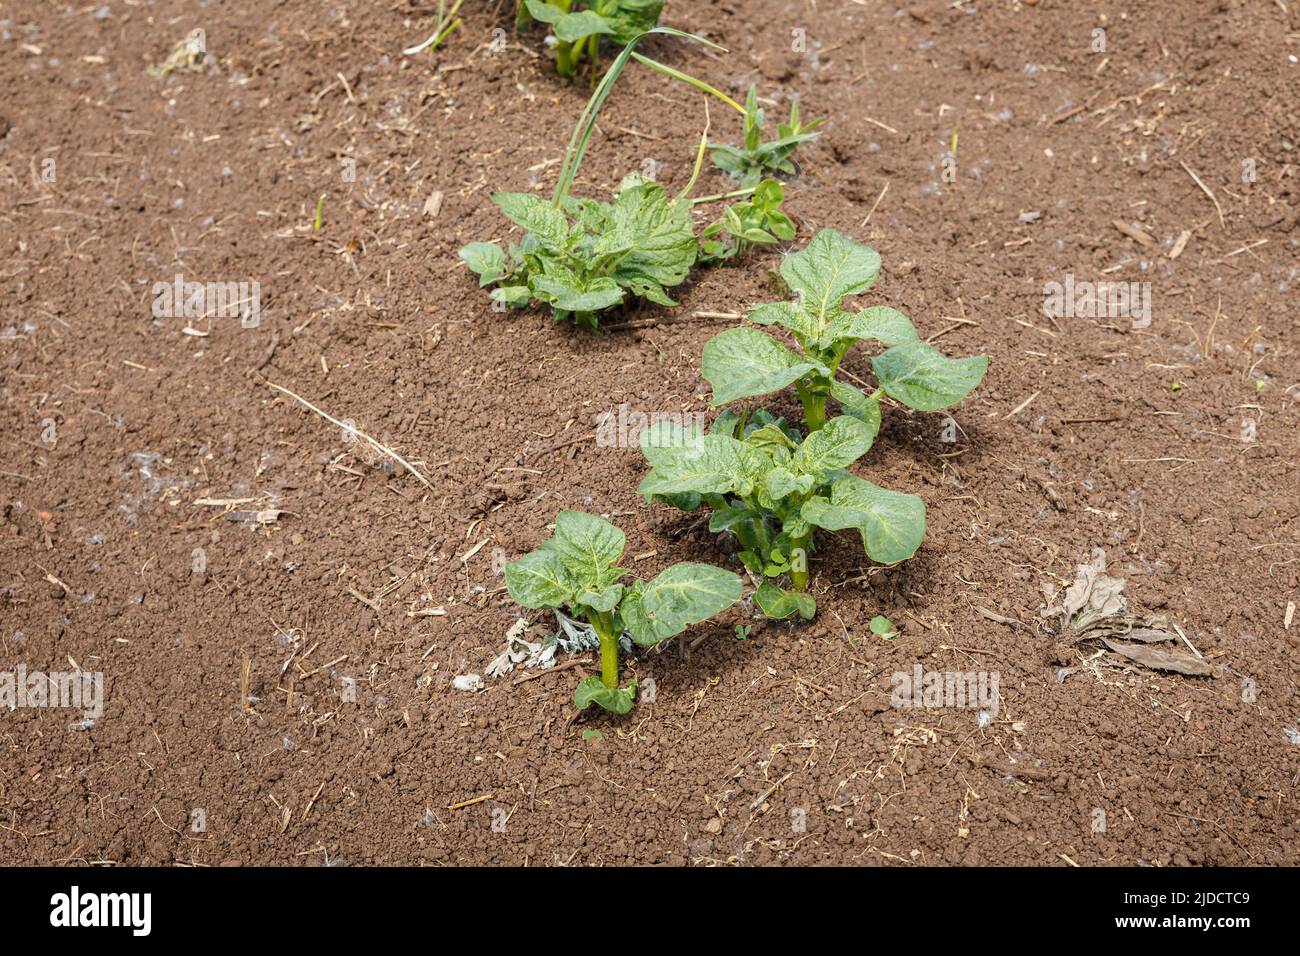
x,y
539,580
921,377
831,268
879,322
741,363
838,444
861,406
588,545
487,260
535,216
682,595
892,523
616,700
717,464
778,603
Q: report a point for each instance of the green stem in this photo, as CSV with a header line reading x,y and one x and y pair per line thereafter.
x,y
603,624
721,196
564,59
813,400
799,578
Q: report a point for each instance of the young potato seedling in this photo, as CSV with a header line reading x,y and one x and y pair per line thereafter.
x,y
579,25
758,221
763,482
755,159
745,362
770,489
578,569
583,257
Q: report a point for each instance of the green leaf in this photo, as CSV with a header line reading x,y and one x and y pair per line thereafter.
x,y
829,269
539,580
682,595
788,315
585,23
543,11
779,604
770,435
603,600
860,406
658,235
883,627
517,296
920,376
892,523
879,322
616,700
716,465
588,545
634,16
741,363
779,482
660,440
600,293
488,260
536,216
723,519
837,444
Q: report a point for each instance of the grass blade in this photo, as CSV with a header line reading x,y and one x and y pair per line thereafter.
x,y
581,137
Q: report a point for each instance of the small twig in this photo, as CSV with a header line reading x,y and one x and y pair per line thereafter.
x,y
352,429
876,203
1205,189
533,675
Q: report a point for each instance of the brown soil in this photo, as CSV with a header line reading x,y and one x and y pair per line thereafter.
x,y
1086,434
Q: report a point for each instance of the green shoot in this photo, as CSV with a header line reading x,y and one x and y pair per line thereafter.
x,y
577,569
755,160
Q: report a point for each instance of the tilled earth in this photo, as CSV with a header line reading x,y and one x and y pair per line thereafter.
x,y
277,687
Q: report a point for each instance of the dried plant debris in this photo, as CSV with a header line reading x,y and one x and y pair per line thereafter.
x,y
1094,608
573,637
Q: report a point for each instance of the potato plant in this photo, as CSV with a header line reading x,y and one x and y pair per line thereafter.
x,y
770,489
577,569
765,483
746,362
583,257
579,26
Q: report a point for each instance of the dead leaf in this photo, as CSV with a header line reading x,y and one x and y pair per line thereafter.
x,y
1161,659
433,205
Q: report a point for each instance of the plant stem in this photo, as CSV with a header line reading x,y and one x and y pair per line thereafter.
x,y
813,400
603,624
720,196
799,578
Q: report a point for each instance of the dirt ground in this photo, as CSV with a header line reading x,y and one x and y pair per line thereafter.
x,y
283,696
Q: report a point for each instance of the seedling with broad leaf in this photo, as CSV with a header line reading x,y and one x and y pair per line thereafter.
x,y
578,569
771,489
583,257
579,25
755,159
882,626
746,362
766,484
